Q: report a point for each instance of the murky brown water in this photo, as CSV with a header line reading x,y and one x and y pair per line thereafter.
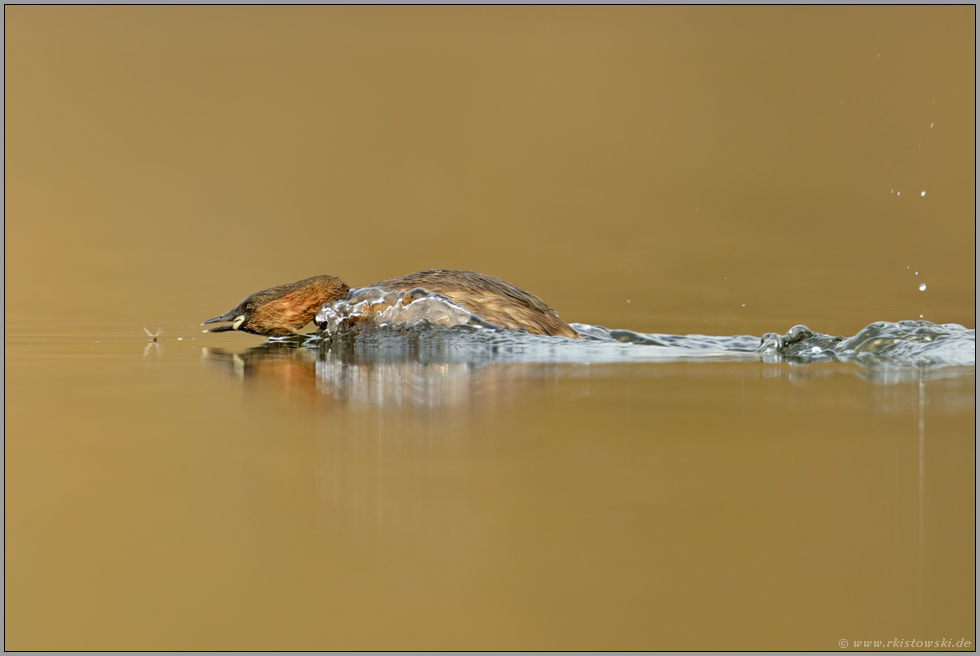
x,y
714,170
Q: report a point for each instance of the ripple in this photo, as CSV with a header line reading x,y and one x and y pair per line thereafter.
x,y
434,327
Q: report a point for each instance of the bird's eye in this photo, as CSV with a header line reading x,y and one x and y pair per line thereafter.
x,y
249,309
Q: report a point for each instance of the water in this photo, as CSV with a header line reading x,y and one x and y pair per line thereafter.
x,y
687,184
292,492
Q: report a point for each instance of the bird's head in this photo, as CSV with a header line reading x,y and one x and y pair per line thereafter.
x,y
281,311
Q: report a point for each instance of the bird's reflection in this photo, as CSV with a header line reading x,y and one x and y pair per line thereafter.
x,y
383,373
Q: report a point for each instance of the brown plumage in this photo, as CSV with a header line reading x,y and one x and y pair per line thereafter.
x,y
491,298
283,310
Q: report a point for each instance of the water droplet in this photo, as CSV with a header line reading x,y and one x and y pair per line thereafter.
x,y
923,193
931,124
743,304
899,194
916,273
180,339
920,316
922,287
893,191
627,300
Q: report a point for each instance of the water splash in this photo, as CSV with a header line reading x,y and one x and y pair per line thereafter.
x,y
909,343
373,306
387,322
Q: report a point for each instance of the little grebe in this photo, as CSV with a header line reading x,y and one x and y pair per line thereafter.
x,y
284,310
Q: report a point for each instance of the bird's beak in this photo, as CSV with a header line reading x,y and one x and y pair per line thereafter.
x,y
236,321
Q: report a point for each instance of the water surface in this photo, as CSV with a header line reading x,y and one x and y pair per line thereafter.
x,y
430,488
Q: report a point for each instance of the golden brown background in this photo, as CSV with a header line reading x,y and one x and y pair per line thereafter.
x,y
713,170
162,163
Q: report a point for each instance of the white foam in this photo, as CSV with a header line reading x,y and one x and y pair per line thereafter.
x,y
400,308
